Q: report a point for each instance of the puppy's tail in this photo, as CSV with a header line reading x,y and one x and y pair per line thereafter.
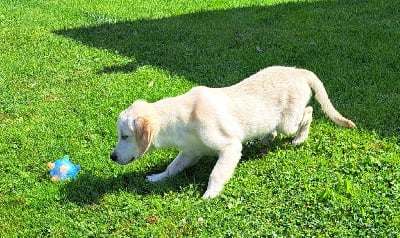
x,y
322,97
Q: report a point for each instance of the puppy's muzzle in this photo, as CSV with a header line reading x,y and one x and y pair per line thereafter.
x,y
114,156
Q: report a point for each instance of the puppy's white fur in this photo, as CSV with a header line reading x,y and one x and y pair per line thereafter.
x,y
207,121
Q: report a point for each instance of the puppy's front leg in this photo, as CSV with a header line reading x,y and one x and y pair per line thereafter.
x,y
223,169
182,161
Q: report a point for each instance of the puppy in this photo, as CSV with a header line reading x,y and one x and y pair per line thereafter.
x,y
207,121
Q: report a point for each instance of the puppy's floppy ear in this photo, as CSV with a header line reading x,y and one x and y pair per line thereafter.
x,y
144,133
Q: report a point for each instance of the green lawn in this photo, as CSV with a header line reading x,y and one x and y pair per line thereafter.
x,y
67,69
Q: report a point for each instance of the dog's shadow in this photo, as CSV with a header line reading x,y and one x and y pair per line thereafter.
x,y
89,188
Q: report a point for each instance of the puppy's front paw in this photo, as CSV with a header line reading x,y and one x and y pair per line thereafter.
x,y
210,194
155,177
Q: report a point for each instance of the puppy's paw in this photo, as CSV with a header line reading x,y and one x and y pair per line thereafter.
x,y
210,194
155,177
297,141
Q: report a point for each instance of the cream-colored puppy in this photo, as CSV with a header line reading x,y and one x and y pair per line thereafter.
x,y
207,121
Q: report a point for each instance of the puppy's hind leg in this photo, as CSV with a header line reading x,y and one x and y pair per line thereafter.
x,y
304,127
223,170
182,161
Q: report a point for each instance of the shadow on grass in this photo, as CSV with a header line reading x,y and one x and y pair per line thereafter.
x,y
349,44
89,189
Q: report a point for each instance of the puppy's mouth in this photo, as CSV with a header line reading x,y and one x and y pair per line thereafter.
x,y
131,159
126,161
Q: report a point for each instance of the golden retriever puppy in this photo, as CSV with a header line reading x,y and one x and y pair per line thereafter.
x,y
208,121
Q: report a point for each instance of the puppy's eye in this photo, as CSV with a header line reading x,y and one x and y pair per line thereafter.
x,y
124,137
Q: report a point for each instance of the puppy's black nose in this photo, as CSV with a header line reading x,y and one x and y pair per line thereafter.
x,y
113,156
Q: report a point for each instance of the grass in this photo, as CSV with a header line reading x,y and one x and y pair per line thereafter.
x,y
69,67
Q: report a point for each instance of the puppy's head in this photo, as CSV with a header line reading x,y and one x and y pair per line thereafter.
x,y
135,133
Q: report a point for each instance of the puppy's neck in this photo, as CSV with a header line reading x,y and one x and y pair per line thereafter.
x,y
170,117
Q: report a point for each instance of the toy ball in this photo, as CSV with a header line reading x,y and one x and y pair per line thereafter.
x,y
63,169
